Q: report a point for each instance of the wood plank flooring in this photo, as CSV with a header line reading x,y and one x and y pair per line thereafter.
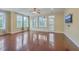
x,y
32,41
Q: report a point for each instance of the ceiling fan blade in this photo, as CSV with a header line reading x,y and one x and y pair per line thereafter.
x,y
36,11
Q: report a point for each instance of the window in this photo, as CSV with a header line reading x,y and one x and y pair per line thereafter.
x,y
2,21
25,22
19,21
34,22
42,21
51,23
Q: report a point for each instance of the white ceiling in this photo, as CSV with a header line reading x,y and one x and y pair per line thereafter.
x,y
28,11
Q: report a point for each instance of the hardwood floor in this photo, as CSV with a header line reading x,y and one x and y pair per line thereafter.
x,y
32,41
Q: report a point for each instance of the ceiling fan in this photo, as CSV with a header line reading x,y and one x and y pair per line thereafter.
x,y
36,11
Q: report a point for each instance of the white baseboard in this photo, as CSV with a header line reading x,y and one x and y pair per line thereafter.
x,y
14,32
72,39
59,32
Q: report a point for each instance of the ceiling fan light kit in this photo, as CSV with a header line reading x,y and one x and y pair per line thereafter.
x,y
36,11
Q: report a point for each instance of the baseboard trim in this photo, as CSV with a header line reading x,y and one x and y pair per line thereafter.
x,y
4,34
59,32
16,32
77,45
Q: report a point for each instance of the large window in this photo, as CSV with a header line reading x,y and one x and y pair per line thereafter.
x,y
34,22
25,22
22,21
2,22
51,23
42,22
19,21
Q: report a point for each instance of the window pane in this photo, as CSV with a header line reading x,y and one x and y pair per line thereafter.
x,y
34,22
19,21
2,22
42,21
51,24
25,22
